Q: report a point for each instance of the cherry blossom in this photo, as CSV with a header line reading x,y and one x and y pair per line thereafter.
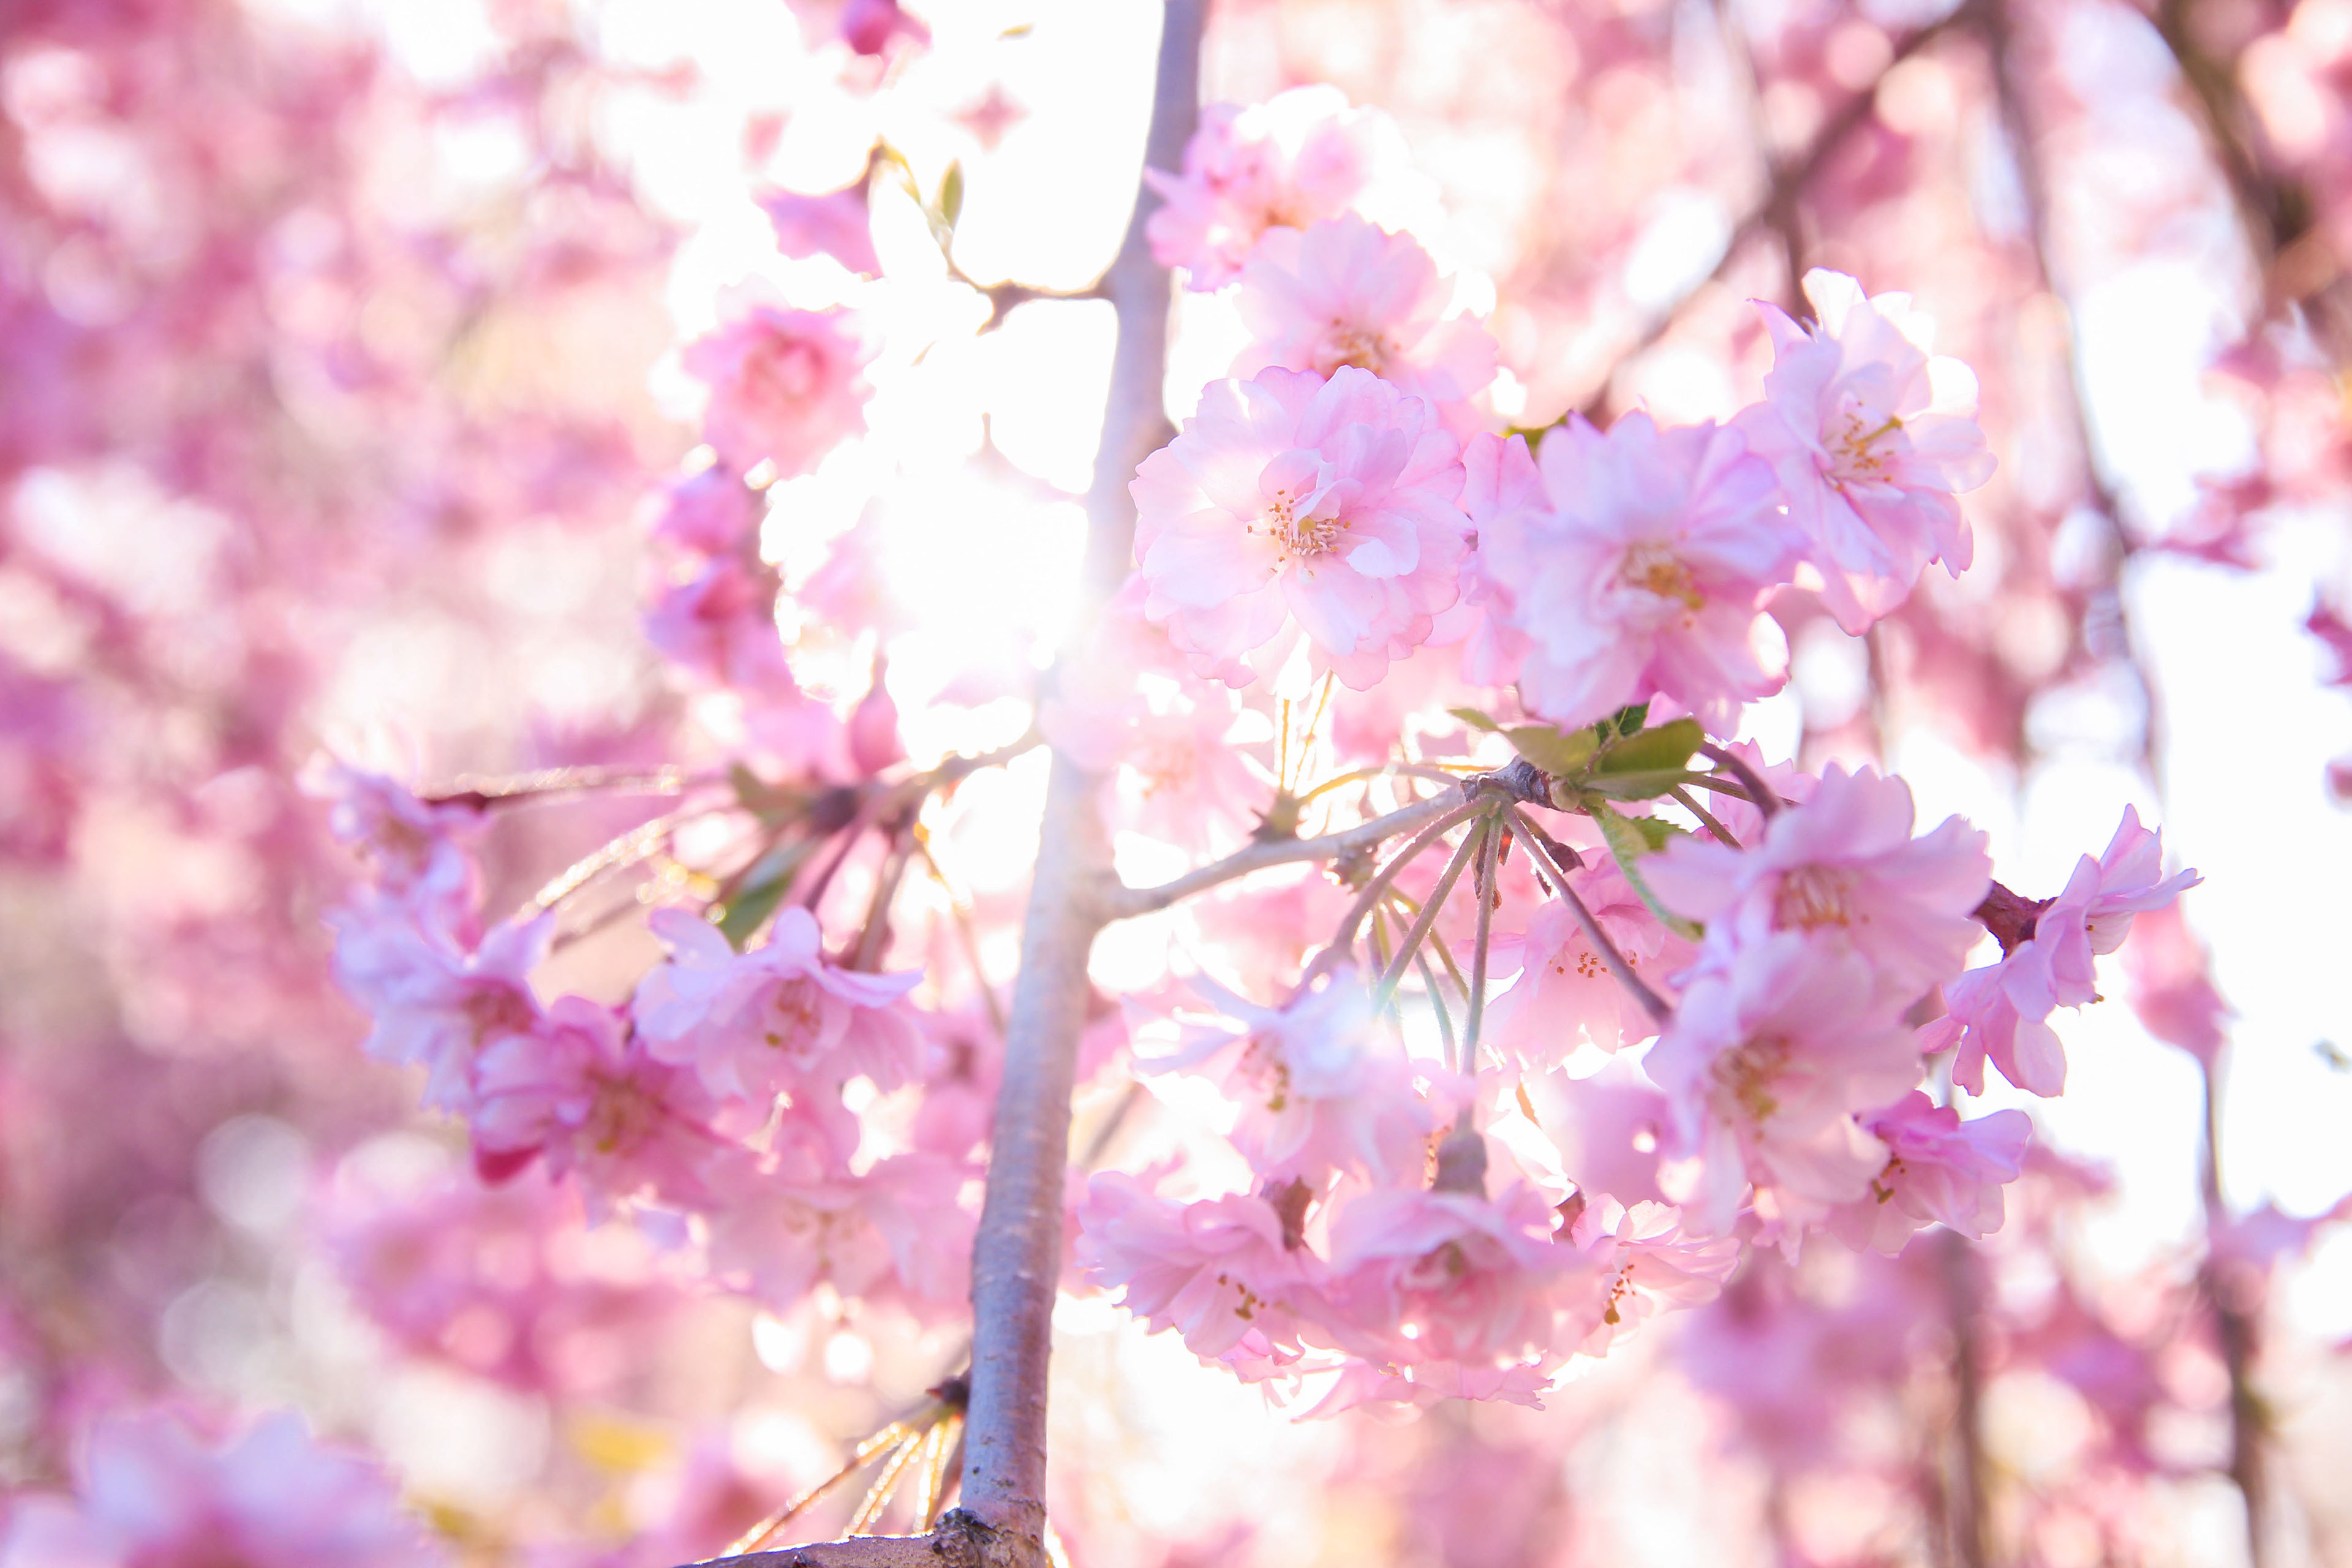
x,y
1939,1170
590,1100
416,852
1346,292
1220,1271
1868,445
1290,500
1565,993
836,224
897,1230
1321,1087
786,385
1765,1060
1843,869
436,1002
153,1493
1423,1276
1300,156
1614,568
2002,1011
719,624
777,1015
1651,1266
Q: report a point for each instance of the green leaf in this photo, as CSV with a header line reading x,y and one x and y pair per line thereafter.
x,y
1475,719
1647,784
1631,837
764,887
1667,749
1547,749
950,202
1630,719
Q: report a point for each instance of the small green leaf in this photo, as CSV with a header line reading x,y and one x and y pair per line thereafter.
x,y
1631,837
764,887
1547,749
951,193
1475,719
1630,719
1667,749
773,804
1646,784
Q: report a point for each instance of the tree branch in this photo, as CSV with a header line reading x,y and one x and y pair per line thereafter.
x,y
1017,1254
1539,845
1123,902
1788,185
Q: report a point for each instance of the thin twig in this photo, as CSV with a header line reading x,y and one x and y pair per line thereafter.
x,y
1759,793
1540,846
1683,798
1425,917
960,915
1787,186
1124,902
1343,942
1490,844
1437,1000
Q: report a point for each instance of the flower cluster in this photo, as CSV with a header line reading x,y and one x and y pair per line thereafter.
x,y
1314,497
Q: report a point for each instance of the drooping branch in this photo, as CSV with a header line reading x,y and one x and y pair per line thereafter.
x,y
1759,793
1539,845
1780,198
1123,902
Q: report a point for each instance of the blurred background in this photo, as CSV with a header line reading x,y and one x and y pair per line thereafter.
x,y
339,345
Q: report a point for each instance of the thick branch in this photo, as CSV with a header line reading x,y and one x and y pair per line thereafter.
x,y
1017,1255
1124,902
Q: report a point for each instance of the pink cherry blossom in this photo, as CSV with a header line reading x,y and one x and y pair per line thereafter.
x,y
836,224
435,1001
719,625
1322,1087
1939,1170
1219,1271
2001,1011
1298,157
151,1493
1420,1276
2172,985
417,853
590,1100
775,1016
1869,453
897,1231
1616,568
1765,1060
1347,293
1649,1264
1565,991
709,513
786,385
507,1283
1843,869
1289,498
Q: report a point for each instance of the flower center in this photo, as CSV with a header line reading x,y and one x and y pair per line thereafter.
x,y
799,1013
1812,897
783,371
1347,344
1856,449
1745,1075
1654,568
1298,536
